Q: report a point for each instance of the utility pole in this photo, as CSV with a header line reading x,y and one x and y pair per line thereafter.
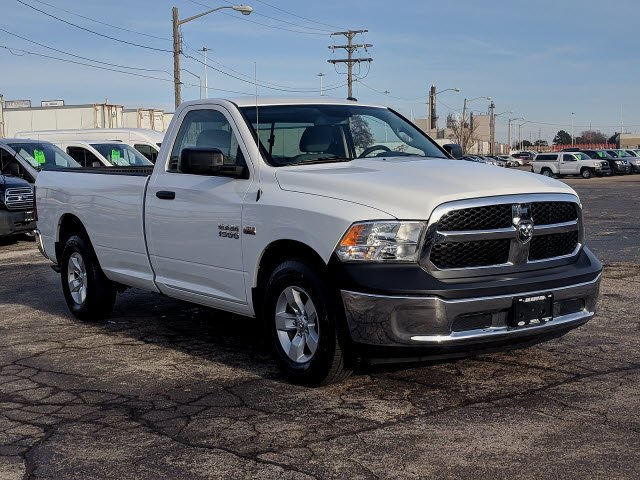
x,y
321,75
492,128
176,57
350,47
573,140
206,72
432,109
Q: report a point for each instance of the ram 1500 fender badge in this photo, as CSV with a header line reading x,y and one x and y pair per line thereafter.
x,y
229,231
523,222
249,230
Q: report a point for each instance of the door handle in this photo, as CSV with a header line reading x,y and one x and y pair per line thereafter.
x,y
165,195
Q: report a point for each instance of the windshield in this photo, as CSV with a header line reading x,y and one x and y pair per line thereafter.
x,y
44,155
298,134
582,156
121,155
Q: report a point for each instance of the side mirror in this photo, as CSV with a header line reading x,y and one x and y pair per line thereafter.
x,y
209,161
453,149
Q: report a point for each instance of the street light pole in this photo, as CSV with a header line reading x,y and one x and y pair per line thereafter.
x,y
509,130
206,73
464,113
573,141
321,75
177,41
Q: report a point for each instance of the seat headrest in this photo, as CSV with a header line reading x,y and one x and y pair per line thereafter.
x,y
215,138
316,138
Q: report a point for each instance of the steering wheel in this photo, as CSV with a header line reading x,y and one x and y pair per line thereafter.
x,y
373,148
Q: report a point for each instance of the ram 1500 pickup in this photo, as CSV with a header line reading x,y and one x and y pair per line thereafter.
x,y
343,228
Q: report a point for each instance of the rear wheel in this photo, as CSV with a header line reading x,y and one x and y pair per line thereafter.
x,y
546,172
303,322
586,172
90,295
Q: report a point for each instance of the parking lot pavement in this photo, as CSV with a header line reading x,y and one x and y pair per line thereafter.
x,y
169,390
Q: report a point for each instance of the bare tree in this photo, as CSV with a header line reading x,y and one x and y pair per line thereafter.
x,y
463,131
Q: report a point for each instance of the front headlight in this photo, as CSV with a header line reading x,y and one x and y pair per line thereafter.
x,y
619,162
385,241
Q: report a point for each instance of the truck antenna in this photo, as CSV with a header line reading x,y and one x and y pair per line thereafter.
x,y
255,81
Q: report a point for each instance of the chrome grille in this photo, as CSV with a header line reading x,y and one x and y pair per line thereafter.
x,y
502,234
20,198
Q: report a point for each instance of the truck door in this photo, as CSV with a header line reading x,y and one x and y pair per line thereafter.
x,y
569,164
193,222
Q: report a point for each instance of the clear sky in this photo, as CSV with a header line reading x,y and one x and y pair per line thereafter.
x,y
542,60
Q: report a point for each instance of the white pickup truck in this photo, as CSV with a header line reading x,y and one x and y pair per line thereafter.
x,y
343,228
569,163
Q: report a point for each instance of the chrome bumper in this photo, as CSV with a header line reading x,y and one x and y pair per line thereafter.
x,y
414,321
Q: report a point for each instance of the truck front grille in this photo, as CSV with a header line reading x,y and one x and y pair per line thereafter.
x,y
20,198
502,233
470,254
554,245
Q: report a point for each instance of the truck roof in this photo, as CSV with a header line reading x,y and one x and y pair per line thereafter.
x,y
265,101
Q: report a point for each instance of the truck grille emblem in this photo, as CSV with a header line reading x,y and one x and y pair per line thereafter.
x,y
523,222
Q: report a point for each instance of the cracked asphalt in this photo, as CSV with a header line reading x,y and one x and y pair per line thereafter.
x,y
170,390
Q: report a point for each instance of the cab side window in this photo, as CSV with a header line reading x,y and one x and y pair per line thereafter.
x,y
208,129
10,166
83,156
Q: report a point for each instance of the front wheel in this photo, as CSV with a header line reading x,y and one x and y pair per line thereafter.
x,y
303,322
90,295
586,173
547,172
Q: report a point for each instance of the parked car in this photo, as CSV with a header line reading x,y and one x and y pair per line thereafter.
x,y
629,157
104,154
635,162
144,140
617,165
511,161
473,158
525,156
25,158
268,208
569,163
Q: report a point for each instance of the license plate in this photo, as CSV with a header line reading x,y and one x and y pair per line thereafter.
x,y
530,311
28,216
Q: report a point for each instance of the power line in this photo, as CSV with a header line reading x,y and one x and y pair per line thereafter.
x,y
276,27
13,51
323,31
80,56
296,15
93,31
119,27
260,84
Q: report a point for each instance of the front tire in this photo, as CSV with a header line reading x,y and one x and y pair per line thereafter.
x,y
90,295
547,172
304,326
586,173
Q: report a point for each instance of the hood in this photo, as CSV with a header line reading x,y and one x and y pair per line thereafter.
x,y
9,181
412,188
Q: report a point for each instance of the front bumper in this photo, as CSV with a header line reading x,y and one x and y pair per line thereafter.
x,y
14,222
470,318
622,169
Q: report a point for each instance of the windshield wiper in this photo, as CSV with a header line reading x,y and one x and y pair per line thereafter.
x,y
319,160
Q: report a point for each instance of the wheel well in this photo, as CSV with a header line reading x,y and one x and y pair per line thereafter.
x,y
69,225
278,252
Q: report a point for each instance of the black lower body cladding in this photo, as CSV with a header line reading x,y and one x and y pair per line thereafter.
x,y
16,222
406,308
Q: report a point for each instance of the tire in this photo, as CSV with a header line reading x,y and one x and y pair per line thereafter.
x,y
586,173
546,172
90,295
308,352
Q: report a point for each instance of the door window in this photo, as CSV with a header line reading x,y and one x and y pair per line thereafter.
x,y
147,151
84,157
208,129
568,158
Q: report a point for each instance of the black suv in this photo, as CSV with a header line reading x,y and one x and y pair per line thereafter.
x,y
618,165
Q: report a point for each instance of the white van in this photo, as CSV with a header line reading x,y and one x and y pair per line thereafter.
x,y
103,154
146,141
